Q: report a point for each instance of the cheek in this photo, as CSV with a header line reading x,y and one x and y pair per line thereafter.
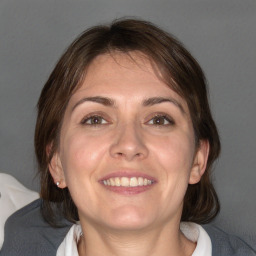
x,y
81,154
175,153
173,159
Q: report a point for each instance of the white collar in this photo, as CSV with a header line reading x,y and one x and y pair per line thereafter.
x,y
196,233
192,231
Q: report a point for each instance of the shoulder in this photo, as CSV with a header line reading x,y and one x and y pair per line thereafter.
x,y
13,196
27,233
224,244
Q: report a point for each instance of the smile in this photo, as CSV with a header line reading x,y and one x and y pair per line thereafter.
x,y
127,182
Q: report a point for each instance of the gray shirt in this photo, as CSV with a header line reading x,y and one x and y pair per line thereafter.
x,y
28,234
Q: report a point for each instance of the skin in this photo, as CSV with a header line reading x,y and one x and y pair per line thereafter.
x,y
129,137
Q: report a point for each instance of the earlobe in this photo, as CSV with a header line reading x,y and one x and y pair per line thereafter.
x,y
56,170
200,162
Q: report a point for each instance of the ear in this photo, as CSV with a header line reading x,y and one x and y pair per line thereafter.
x,y
56,170
200,162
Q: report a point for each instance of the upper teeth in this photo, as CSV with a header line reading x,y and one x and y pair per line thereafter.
x,y
127,182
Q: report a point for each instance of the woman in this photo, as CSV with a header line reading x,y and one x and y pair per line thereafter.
x,y
125,142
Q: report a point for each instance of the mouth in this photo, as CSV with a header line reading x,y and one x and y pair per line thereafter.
x,y
128,183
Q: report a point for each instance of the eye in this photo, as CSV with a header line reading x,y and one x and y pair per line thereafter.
x,y
94,120
161,120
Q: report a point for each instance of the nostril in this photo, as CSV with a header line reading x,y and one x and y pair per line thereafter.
x,y
119,154
128,145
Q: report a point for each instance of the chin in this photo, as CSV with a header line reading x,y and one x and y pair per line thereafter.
x,y
129,218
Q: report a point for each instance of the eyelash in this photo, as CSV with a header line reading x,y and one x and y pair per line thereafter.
x,y
90,118
165,119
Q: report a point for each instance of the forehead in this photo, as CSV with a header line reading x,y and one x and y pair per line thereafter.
x,y
125,79
132,69
110,65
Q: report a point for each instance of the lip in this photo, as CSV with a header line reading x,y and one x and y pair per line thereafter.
x,y
127,191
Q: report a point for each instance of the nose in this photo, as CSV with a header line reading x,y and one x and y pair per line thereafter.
x,y
129,143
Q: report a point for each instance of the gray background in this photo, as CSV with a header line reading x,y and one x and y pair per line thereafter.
x,y
220,34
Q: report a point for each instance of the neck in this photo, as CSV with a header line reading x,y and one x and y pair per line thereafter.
x,y
163,241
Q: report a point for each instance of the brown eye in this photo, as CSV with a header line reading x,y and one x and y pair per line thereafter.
x,y
94,120
161,120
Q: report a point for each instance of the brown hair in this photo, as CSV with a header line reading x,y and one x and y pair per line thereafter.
x,y
178,69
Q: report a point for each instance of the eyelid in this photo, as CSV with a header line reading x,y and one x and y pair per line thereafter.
x,y
161,115
85,120
95,114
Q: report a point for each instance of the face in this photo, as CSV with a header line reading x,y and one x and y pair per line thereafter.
x,y
127,148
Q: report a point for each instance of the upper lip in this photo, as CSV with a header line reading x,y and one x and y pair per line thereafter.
x,y
128,174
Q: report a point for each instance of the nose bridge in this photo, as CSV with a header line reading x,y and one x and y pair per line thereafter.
x,y
129,142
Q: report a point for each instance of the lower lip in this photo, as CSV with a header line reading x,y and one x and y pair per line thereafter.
x,y
128,190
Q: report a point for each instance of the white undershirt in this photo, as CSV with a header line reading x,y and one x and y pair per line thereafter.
x,y
192,231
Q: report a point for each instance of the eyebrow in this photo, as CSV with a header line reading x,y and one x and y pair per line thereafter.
x,y
146,103
98,99
158,100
